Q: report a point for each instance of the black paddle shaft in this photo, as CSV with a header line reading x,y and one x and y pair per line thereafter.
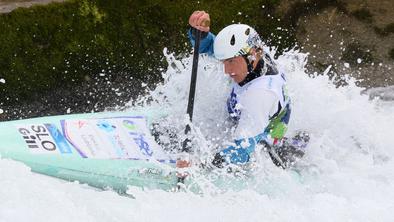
x,y
190,105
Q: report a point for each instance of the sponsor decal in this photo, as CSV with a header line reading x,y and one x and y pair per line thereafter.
x,y
106,126
37,138
111,138
44,138
130,125
142,144
150,171
233,107
61,142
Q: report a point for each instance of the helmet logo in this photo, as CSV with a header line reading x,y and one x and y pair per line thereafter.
x,y
232,41
247,31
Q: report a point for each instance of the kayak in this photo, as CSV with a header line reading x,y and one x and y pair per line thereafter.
x,y
103,150
108,151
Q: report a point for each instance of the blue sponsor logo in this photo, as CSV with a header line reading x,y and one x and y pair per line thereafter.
x,y
270,83
59,139
106,126
142,144
233,110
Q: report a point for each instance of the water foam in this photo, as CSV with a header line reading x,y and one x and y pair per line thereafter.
x,y
351,154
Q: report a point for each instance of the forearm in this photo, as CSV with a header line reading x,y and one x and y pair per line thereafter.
x,y
239,152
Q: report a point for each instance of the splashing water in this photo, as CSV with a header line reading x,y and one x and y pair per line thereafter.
x,y
350,157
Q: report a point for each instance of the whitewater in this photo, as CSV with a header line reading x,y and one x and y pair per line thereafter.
x,y
348,172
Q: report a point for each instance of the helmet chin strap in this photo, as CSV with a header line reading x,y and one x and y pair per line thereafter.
x,y
253,73
249,64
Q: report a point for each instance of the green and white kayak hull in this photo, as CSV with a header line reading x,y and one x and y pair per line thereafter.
x,y
114,157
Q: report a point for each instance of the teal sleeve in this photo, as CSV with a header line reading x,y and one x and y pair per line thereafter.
x,y
240,153
206,44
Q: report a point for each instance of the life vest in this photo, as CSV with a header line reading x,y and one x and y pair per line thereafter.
x,y
272,80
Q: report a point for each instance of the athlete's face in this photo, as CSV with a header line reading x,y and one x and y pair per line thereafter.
x,y
236,67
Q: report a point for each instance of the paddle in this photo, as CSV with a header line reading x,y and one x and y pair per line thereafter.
x,y
186,146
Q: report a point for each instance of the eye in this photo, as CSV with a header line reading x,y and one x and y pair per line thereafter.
x,y
230,60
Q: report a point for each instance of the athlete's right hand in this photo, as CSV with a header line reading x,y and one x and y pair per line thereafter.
x,y
182,166
200,20
183,163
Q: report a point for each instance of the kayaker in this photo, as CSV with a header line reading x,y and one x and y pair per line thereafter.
x,y
258,102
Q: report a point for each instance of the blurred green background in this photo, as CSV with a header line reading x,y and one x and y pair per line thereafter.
x,y
77,56
63,44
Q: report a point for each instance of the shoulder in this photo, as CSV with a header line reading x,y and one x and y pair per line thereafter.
x,y
259,88
262,83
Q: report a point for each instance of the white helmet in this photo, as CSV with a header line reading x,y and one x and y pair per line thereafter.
x,y
235,40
